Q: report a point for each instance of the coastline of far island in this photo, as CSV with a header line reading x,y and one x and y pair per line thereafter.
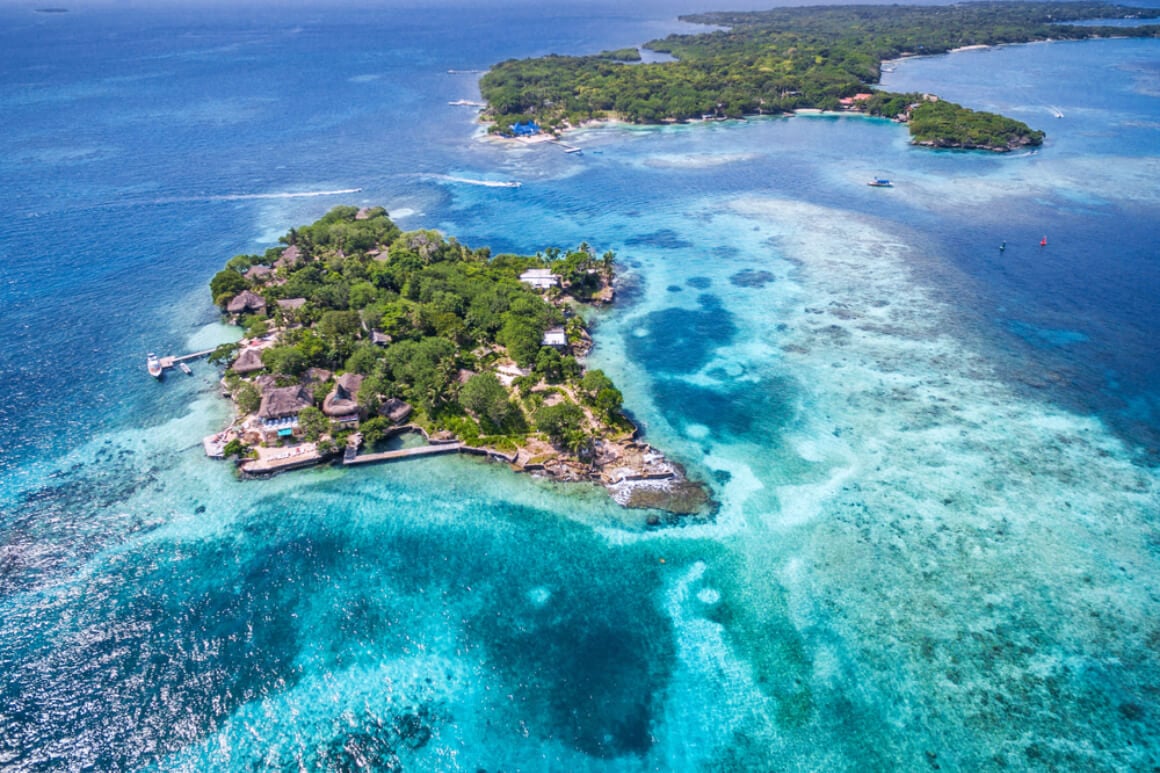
x,y
357,332
784,60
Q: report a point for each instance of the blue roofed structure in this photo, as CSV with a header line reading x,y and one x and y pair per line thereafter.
x,y
525,129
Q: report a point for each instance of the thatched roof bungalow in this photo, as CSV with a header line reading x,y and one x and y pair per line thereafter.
x,y
247,302
266,382
342,402
283,402
290,257
259,273
249,361
395,409
316,376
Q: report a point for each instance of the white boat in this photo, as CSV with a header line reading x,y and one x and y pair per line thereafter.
x,y
880,182
153,365
185,368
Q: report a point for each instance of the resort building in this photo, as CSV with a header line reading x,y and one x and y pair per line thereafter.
x,y
249,361
556,338
849,103
525,129
395,409
279,411
314,376
540,278
288,309
259,273
290,257
342,403
247,302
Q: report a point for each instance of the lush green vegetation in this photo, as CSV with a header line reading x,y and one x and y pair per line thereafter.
x,y
426,320
945,124
784,59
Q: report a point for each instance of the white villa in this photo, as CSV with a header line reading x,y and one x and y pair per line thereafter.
x,y
540,278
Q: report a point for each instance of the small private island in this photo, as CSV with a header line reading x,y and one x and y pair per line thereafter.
x,y
364,343
783,60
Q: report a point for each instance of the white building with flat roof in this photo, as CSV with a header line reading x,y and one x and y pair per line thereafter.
x,y
540,278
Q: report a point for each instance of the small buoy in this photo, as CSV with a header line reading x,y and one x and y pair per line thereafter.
x,y
1003,247
1043,242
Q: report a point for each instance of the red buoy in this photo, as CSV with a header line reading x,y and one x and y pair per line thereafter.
x,y
1043,242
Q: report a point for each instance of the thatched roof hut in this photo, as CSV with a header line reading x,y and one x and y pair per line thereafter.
x,y
247,302
249,361
395,409
316,376
290,257
266,382
280,402
259,273
290,304
342,399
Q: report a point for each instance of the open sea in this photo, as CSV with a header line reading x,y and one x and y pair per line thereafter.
x,y
938,464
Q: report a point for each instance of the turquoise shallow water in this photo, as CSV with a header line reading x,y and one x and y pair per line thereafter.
x,y
935,462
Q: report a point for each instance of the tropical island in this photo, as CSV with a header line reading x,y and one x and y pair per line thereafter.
x,y
359,335
787,59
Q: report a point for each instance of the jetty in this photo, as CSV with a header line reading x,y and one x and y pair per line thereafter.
x,y
566,147
178,361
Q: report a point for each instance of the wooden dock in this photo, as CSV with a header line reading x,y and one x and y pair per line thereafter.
x,y
178,361
171,361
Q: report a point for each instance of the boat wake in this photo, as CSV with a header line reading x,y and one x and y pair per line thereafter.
x,y
471,181
280,195
164,200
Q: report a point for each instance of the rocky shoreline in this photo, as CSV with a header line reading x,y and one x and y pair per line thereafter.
x,y
635,474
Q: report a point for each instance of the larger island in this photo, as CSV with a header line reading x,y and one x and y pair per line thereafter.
x,y
787,59
358,334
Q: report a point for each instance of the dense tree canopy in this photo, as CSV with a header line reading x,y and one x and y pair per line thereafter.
x,y
788,58
415,314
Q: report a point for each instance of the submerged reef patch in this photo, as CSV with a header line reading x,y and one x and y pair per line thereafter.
x,y
679,340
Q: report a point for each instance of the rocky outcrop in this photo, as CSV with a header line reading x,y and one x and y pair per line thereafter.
x,y
635,474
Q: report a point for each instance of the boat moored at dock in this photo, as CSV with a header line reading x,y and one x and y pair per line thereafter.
x,y
153,365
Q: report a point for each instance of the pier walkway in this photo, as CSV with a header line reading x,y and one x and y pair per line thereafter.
x,y
172,361
169,362
566,147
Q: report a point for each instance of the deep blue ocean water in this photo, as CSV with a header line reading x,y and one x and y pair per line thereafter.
x,y
936,461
